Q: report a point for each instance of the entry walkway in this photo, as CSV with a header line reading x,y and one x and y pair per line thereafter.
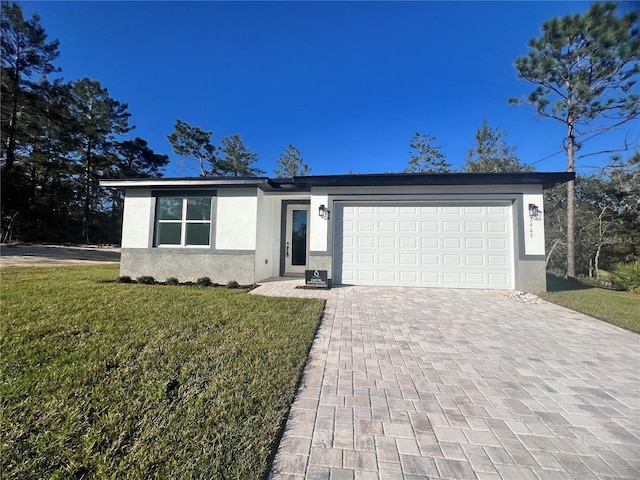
x,y
407,383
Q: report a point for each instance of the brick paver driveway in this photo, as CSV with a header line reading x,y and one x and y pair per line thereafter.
x,y
430,383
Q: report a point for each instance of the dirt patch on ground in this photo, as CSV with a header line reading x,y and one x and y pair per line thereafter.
x,y
49,255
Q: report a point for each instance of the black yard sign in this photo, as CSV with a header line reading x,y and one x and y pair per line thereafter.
x,y
316,279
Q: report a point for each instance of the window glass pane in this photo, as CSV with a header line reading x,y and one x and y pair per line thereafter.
x,y
198,233
169,208
169,233
299,237
199,208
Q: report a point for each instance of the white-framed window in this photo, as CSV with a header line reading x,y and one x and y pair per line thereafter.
x,y
183,221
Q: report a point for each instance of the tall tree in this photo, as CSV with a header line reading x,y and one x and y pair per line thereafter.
x,y
291,164
195,144
427,157
99,120
491,154
584,68
136,160
27,59
235,159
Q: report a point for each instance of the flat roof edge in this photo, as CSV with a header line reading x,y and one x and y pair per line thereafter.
x,y
546,179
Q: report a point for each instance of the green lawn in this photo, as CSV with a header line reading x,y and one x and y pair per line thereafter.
x,y
109,380
619,308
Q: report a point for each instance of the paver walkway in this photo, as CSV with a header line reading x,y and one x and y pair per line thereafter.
x,y
434,383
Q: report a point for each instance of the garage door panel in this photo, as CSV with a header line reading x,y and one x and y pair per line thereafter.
x,y
496,227
452,278
387,226
429,244
496,210
451,242
408,242
475,226
429,226
475,210
476,279
499,279
449,260
497,260
366,226
366,258
409,278
366,242
449,226
408,226
430,279
474,243
429,210
388,277
496,244
387,242
430,259
474,260
408,259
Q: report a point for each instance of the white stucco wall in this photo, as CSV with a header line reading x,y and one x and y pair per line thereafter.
x,y
318,231
266,259
533,228
137,219
236,216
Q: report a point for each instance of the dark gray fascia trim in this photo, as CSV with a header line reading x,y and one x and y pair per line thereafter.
x,y
547,180
303,184
263,183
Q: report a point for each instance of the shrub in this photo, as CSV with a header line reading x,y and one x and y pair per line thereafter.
x,y
627,275
172,281
146,280
232,284
125,279
203,282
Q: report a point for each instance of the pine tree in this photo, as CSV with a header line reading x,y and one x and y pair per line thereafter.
x,y
235,159
291,164
584,68
491,154
195,144
427,157
27,60
99,120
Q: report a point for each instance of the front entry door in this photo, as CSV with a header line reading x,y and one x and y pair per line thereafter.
x,y
297,239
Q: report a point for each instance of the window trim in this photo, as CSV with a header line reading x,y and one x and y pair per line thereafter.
x,y
183,221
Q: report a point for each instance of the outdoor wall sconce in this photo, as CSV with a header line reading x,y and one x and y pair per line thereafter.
x,y
324,212
534,211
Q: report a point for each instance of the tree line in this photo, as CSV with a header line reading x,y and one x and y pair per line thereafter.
x,y
59,139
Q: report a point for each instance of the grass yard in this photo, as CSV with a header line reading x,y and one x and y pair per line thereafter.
x,y
109,380
618,308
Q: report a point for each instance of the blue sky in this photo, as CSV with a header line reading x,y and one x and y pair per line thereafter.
x,y
347,83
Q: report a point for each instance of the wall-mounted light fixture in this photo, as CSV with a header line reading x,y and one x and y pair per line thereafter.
x,y
324,212
534,211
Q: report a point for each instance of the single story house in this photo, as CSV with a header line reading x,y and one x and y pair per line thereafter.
x,y
452,230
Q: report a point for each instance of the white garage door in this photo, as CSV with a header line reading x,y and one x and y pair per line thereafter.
x,y
458,245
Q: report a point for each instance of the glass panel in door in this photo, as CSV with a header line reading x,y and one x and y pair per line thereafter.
x,y
299,237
